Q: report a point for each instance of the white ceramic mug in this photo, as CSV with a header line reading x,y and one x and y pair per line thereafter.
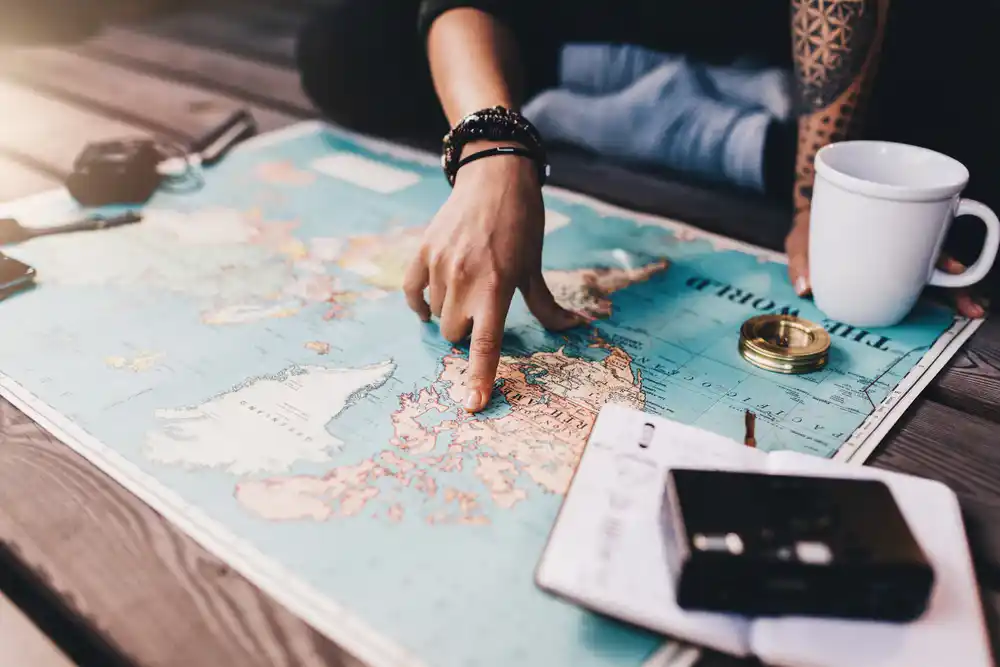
x,y
880,213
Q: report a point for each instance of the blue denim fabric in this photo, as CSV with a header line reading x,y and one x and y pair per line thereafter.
x,y
642,106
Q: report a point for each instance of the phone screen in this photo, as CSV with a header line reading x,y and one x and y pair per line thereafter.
x,y
14,275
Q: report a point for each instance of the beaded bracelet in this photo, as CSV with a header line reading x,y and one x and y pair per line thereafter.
x,y
493,124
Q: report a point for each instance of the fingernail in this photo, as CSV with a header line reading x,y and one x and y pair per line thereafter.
x,y
801,285
474,400
977,310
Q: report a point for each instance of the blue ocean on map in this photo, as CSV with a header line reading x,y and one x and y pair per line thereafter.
x,y
247,347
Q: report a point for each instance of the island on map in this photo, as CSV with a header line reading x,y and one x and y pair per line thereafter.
x,y
137,364
265,424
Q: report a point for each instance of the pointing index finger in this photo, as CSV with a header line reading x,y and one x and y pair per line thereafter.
x,y
484,356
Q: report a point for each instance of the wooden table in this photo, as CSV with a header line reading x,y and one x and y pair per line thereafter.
x,y
106,575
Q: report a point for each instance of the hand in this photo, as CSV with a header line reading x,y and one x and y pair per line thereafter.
x,y
964,302
797,247
484,243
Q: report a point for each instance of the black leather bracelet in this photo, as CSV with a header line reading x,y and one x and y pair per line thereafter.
x,y
502,150
493,124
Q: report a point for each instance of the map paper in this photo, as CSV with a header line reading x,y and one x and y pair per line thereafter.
x,y
243,360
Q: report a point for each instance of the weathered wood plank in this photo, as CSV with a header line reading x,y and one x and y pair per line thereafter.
x,y
260,32
175,109
24,644
45,609
962,451
971,383
18,180
151,592
938,442
49,133
267,85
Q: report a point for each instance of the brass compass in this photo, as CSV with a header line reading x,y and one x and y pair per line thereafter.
x,y
784,344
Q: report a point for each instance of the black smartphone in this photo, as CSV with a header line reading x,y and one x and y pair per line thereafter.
x,y
14,275
770,545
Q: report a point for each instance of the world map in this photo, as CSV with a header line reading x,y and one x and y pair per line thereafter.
x,y
245,359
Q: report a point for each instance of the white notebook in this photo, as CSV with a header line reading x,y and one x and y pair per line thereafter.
x,y
606,552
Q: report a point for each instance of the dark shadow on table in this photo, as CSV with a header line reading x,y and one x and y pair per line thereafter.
x,y
50,613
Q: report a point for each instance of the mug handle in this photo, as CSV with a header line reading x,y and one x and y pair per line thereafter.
x,y
984,263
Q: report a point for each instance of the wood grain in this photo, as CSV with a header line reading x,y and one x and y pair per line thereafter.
x,y
48,133
971,383
21,643
151,592
257,32
962,451
275,87
174,109
942,443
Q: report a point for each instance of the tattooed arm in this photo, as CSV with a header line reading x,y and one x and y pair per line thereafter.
x,y
836,45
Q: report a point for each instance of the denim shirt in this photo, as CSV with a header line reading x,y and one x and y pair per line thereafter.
x,y
646,107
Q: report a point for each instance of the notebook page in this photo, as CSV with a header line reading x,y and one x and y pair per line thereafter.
x,y
951,632
607,549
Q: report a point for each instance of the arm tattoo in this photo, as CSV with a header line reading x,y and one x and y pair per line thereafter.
x,y
832,40
834,47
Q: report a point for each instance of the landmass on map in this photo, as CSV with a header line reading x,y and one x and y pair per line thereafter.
x,y
265,424
588,290
137,364
552,399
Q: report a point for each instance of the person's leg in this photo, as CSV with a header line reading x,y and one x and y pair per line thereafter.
x,y
362,64
634,82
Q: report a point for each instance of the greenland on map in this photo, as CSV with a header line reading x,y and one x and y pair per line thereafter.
x,y
244,361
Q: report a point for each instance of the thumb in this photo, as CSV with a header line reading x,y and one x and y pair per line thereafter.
x,y
545,308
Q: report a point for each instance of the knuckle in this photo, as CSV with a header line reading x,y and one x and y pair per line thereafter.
x,y
452,336
493,278
485,342
459,266
454,331
436,259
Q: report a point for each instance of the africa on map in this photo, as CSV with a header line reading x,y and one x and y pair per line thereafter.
x,y
245,358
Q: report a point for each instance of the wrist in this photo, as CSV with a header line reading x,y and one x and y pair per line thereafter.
x,y
503,168
484,144
493,127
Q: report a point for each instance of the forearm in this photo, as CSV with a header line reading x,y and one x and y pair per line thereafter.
x,y
836,46
474,62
